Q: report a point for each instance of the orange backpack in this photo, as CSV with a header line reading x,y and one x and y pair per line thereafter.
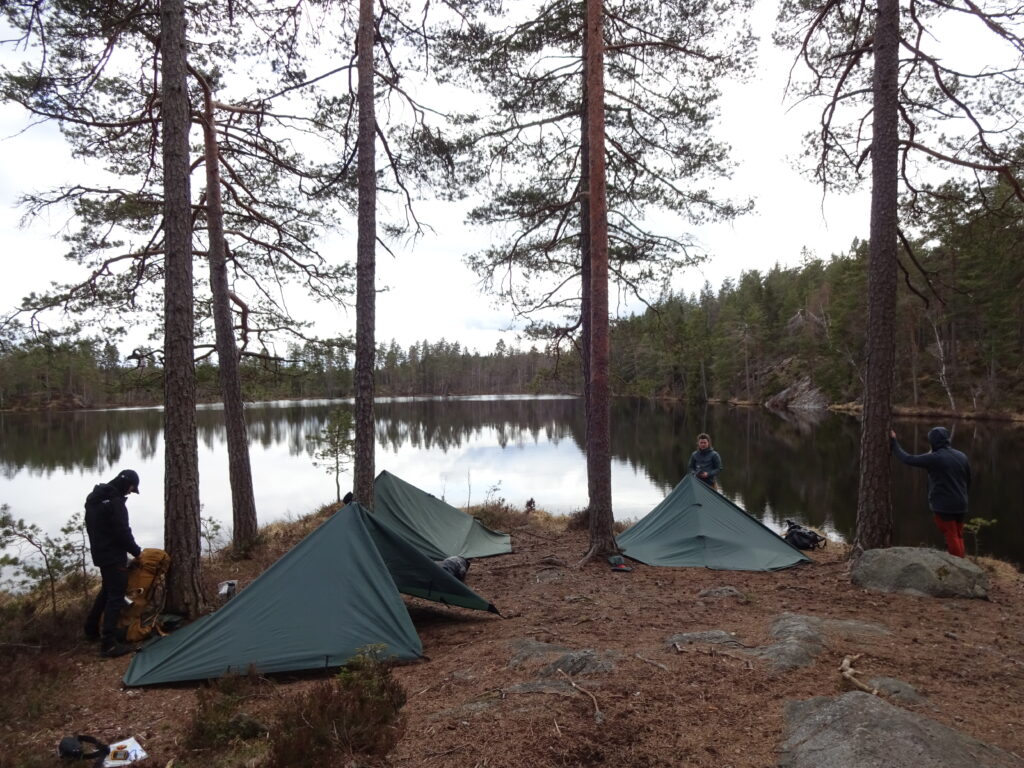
x,y
145,592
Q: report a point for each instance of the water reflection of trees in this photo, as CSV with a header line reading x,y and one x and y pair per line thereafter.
x,y
774,467
447,424
44,442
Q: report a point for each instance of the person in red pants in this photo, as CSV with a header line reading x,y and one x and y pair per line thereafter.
x,y
949,480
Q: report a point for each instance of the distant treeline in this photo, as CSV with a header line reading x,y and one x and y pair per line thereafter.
x,y
959,336
90,373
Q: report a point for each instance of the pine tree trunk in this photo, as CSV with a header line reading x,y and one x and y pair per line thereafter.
x,y
243,504
365,263
585,276
181,458
874,497
602,535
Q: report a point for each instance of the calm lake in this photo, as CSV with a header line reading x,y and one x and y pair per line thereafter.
x,y
517,448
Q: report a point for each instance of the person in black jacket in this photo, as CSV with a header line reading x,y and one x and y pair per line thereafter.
x,y
705,462
111,542
949,480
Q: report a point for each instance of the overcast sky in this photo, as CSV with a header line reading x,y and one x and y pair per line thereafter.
x,y
428,291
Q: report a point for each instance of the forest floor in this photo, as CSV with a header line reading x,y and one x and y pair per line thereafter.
x,y
479,700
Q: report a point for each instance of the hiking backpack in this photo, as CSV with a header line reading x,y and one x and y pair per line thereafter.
x,y
803,538
145,591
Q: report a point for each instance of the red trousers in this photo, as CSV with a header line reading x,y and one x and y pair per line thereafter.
x,y
953,530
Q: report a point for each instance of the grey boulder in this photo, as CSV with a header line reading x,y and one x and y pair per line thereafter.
x,y
919,571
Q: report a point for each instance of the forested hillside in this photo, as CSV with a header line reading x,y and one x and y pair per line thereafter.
x,y
960,333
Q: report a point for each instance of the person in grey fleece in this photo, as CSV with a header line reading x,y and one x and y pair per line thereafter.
x,y
705,462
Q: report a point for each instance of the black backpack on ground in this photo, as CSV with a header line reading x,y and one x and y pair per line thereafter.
x,y
803,538
74,748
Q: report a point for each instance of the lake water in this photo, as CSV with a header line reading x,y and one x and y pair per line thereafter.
x,y
516,448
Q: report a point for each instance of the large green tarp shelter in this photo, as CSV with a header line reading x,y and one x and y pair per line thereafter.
x,y
697,526
332,594
435,528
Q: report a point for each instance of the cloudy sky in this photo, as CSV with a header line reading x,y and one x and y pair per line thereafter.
x,y
428,291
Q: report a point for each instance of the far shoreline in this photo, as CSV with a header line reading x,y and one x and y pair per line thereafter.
x,y
849,408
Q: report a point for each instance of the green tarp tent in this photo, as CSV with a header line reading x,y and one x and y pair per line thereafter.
x,y
333,593
697,526
436,529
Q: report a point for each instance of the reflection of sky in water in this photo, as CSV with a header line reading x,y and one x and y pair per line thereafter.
x,y
554,475
522,447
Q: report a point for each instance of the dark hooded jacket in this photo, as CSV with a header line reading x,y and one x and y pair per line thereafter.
x,y
708,461
106,520
949,473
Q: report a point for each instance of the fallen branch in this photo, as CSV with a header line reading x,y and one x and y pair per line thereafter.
x,y
649,661
715,652
598,714
522,529
21,645
850,674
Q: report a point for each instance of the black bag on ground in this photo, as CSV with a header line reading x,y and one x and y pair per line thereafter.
x,y
803,538
73,748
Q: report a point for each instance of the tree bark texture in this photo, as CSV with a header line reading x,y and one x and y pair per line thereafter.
x,y
365,263
874,496
243,503
585,276
181,459
602,535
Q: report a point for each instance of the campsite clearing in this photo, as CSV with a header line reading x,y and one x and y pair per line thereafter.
x,y
580,670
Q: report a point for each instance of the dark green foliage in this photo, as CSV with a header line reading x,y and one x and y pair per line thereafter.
x,y
664,64
357,712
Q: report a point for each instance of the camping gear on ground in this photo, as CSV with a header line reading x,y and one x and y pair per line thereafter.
x,y
456,566
83,747
435,528
803,538
334,593
226,589
125,752
696,526
145,592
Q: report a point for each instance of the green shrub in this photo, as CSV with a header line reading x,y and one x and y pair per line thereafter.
x,y
356,712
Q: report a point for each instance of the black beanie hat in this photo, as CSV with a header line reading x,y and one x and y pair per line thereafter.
x,y
126,481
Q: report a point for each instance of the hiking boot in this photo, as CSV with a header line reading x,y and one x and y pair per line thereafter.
x,y
114,650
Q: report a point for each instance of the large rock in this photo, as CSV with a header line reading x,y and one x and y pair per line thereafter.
x,y
858,730
918,571
799,639
800,396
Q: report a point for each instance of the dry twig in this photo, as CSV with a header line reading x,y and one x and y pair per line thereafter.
x,y
598,714
849,673
649,661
